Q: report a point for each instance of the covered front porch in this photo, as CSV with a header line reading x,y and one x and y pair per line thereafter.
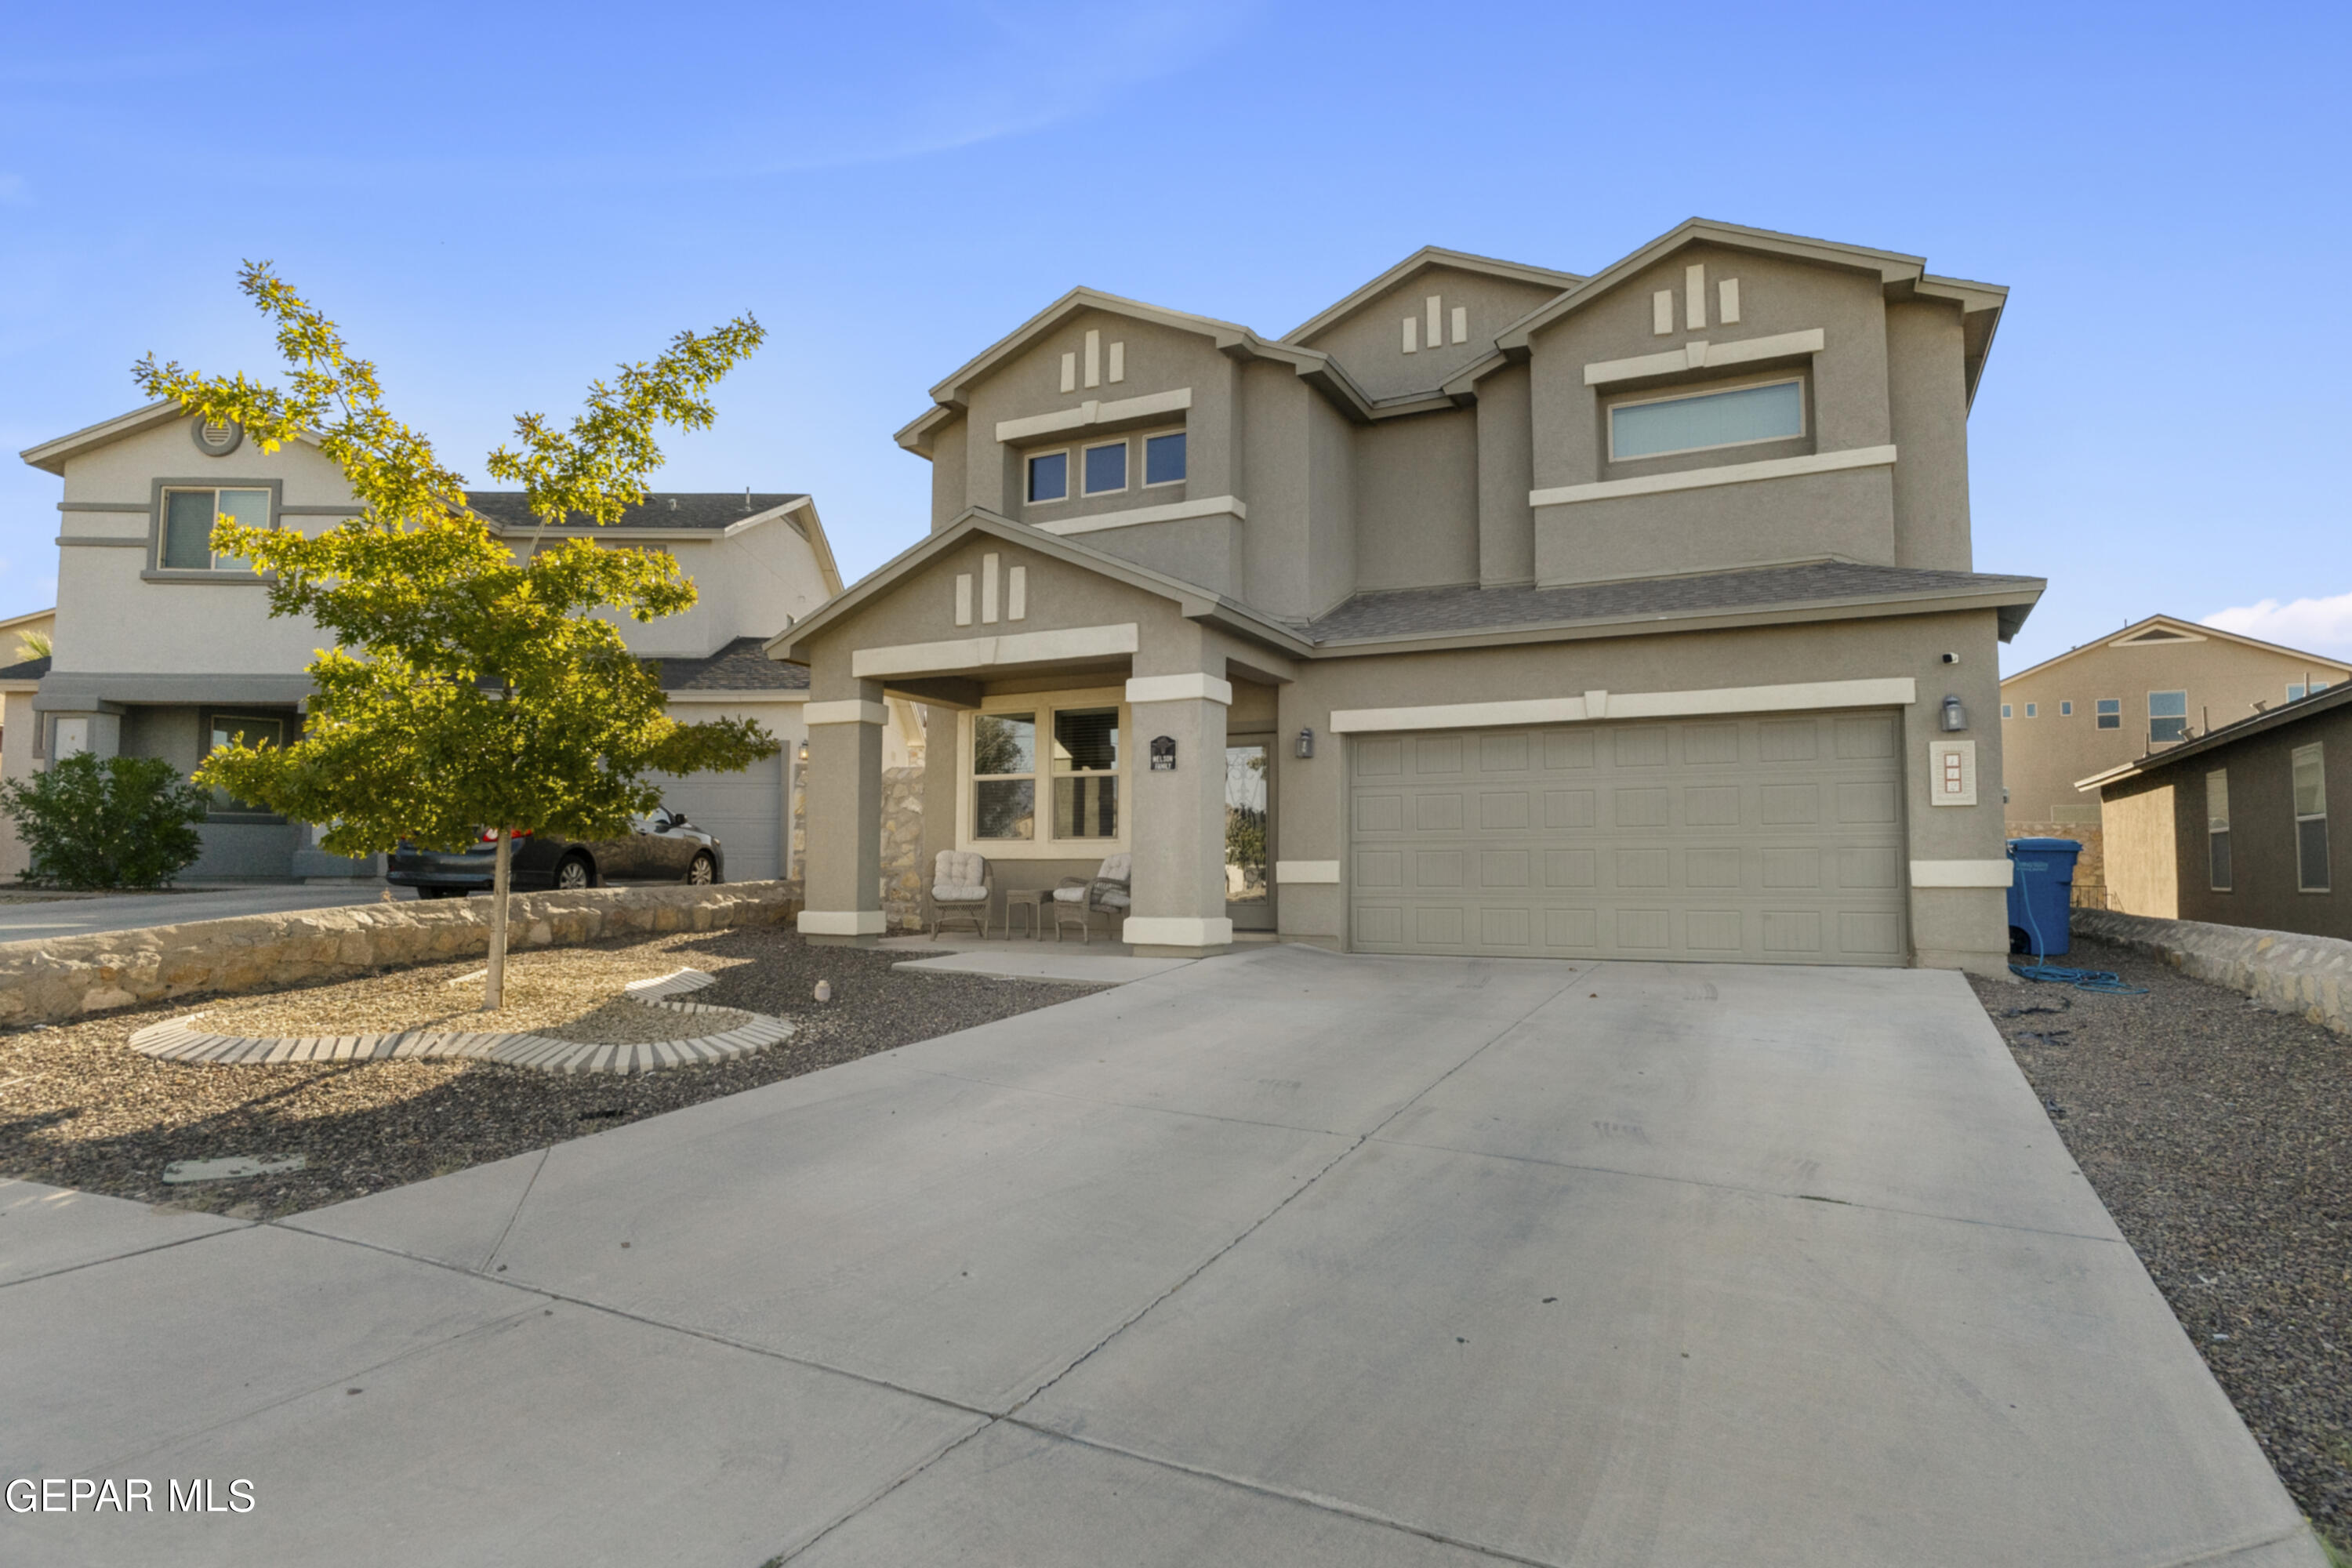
x,y
1086,717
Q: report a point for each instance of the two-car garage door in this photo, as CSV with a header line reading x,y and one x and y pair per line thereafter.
x,y
1776,838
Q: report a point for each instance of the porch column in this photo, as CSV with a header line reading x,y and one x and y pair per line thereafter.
x,y
1178,818
841,870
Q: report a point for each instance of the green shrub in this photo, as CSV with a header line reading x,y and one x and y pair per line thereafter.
x,y
123,822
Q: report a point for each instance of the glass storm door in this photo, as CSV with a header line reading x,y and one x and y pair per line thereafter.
x,y
1249,832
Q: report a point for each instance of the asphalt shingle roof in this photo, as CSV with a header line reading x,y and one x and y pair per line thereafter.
x,y
661,509
1435,612
31,670
741,666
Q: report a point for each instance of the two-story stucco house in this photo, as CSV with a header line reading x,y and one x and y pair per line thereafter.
x,y
161,649
1494,610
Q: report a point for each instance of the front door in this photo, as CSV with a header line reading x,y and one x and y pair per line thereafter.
x,y
1249,832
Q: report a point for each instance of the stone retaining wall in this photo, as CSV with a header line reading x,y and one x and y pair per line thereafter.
x,y
45,980
2311,976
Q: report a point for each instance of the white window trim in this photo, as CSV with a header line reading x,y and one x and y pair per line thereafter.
x,y
2153,716
1126,469
1067,495
1689,395
2117,715
2067,709
2033,710
2218,827
2317,752
1044,845
1143,439
2005,713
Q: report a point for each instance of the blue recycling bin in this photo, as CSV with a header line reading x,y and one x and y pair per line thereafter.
x,y
2040,892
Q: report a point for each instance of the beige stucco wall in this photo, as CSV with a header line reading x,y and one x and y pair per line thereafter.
x,y
2140,839
1370,341
2048,753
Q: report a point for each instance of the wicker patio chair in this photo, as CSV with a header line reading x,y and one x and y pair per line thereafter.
x,y
1079,898
963,887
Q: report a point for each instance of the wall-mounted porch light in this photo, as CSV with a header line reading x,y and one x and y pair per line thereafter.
x,y
1307,743
804,750
1956,717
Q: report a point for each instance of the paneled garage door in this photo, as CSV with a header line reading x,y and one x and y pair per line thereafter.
x,y
1775,839
745,810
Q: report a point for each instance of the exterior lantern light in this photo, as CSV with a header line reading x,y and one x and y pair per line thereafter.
x,y
1956,717
1307,743
804,750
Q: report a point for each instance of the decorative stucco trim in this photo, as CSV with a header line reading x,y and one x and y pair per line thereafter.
x,y
1095,412
1895,691
964,654
104,541
1728,474
1959,873
1135,517
1179,689
1296,873
1701,354
1176,930
851,712
841,922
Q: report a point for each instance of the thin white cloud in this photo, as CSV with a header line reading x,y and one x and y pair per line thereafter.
x,y
2320,625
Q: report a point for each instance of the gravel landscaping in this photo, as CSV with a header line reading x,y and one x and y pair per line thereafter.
x,y
2216,1132
80,1109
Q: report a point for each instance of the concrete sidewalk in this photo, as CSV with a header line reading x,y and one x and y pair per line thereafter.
x,y
1279,1258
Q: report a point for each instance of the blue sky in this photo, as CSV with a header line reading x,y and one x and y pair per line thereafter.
x,y
498,203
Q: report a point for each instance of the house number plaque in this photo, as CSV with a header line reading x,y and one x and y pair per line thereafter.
x,y
1164,754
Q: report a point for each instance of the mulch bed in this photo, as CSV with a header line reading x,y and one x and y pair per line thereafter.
x,y
80,1109
2219,1136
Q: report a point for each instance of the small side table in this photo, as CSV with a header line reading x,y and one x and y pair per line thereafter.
x,y
1034,900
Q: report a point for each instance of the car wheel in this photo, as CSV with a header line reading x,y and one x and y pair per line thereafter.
x,y
574,874
703,872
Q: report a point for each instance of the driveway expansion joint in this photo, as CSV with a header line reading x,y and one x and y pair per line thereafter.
x,y
178,1039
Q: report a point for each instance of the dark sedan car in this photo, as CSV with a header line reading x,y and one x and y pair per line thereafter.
x,y
663,847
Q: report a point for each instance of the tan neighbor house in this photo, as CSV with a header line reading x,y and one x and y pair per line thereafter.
x,y
2138,690
1534,615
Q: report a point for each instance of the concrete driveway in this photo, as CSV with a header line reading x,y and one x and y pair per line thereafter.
x,y
1277,1258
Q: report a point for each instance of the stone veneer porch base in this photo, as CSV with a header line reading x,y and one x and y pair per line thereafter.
x,y
178,1040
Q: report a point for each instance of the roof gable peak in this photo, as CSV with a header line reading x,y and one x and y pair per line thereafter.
x,y
1420,261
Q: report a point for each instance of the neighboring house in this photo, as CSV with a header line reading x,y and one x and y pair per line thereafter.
x,y
2233,825
162,650
1494,610
2147,686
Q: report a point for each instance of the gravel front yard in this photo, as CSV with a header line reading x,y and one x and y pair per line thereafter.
x,y
2219,1136
80,1109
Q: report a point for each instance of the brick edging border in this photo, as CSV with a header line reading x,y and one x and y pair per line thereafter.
x,y
178,1040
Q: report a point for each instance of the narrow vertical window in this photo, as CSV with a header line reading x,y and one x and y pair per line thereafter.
x,y
2033,709
2310,820
1086,772
2217,828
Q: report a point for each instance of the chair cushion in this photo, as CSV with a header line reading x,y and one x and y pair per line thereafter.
x,y
1113,899
959,868
1076,895
958,892
1117,869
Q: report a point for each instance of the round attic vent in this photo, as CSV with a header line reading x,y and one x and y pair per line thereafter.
x,y
215,437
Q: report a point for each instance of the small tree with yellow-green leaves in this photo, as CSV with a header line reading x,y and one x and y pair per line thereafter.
x,y
472,687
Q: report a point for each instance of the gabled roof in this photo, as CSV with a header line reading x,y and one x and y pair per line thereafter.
x,y
670,511
951,396
2278,718
1192,600
1899,275
1420,261
2192,631
51,455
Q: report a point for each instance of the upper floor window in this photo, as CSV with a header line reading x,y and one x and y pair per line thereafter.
x,y
1049,476
2110,712
1106,468
2168,716
2310,819
187,531
1163,460
2065,709
2005,712
2033,710
2296,690
1706,421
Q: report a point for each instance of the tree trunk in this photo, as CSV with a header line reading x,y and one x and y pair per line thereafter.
x,y
494,992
